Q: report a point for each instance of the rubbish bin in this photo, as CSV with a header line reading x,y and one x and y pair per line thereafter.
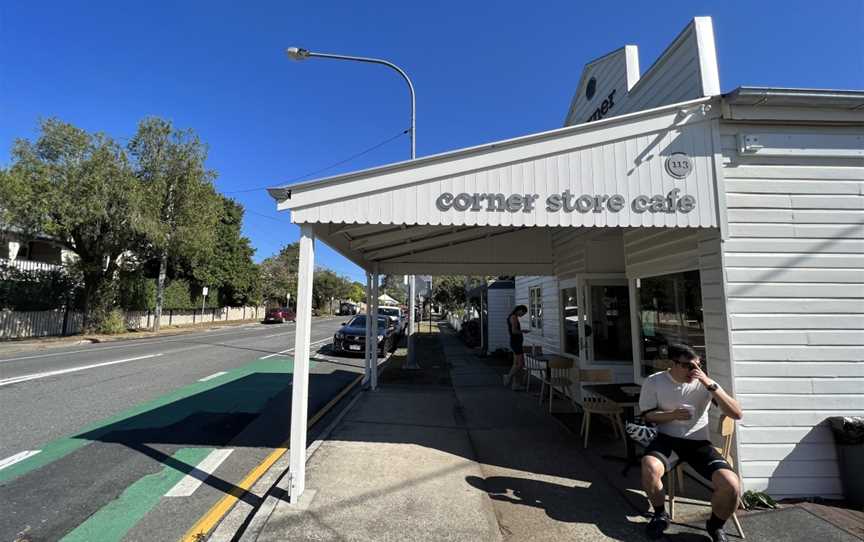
x,y
849,437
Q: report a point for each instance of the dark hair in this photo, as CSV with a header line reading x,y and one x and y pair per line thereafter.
x,y
679,350
517,309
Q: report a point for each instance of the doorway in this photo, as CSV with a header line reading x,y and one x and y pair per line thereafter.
x,y
608,332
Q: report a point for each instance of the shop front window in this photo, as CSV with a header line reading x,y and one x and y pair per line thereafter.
x,y
670,311
535,309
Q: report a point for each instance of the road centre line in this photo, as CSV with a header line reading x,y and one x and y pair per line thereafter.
x,y
36,376
192,481
288,351
214,375
12,459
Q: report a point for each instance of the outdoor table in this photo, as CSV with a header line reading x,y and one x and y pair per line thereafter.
x,y
625,394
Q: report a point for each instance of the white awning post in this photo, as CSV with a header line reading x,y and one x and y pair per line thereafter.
x,y
300,393
367,368
375,331
412,307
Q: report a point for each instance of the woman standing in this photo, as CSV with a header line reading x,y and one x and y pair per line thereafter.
x,y
517,335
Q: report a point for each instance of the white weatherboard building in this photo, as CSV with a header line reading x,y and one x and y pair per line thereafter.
x,y
663,211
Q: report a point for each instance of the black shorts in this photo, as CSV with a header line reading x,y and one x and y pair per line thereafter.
x,y
699,454
516,344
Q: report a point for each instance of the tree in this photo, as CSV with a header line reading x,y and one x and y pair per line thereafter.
x,y
231,268
395,287
278,274
327,285
180,206
78,187
356,292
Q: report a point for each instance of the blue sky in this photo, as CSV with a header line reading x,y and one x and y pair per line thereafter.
x,y
483,71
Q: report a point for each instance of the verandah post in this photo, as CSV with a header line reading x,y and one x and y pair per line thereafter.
x,y
368,344
300,391
376,280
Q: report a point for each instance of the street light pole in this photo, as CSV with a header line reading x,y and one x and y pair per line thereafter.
x,y
298,53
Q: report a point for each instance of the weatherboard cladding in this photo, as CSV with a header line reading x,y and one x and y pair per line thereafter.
x,y
794,269
625,158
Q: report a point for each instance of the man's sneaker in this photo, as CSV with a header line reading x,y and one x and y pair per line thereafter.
x,y
717,535
658,525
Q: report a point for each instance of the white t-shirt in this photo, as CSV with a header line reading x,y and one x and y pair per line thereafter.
x,y
661,392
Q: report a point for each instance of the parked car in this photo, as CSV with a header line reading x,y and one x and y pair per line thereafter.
x,y
280,315
395,315
351,337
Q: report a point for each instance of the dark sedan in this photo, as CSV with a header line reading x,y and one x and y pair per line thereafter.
x,y
351,337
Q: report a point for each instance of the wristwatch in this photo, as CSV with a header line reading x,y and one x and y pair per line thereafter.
x,y
713,387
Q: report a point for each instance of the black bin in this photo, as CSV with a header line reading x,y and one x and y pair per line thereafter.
x,y
849,436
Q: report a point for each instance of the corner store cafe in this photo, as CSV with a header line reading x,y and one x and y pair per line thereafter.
x,y
754,199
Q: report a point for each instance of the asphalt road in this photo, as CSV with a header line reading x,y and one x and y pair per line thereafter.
x,y
96,441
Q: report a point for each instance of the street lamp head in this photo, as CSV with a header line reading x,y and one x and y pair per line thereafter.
x,y
297,53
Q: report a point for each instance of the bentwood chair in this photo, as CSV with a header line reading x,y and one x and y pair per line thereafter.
x,y
675,476
559,377
533,366
596,404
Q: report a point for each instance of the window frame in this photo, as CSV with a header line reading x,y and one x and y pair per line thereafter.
x,y
535,307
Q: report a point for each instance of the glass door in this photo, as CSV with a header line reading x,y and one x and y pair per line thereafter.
x,y
607,329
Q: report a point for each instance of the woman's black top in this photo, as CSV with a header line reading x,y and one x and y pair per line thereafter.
x,y
516,339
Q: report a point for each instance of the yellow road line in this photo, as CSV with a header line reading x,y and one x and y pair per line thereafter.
x,y
213,516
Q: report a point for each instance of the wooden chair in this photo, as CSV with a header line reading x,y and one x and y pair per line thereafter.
x,y
533,366
559,376
595,404
675,476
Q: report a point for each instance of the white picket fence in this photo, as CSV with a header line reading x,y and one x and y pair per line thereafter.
x,y
22,325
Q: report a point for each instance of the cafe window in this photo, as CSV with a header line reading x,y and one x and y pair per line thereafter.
x,y
571,321
535,307
670,311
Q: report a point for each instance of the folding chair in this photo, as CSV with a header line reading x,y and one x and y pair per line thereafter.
x,y
596,404
675,476
559,377
533,365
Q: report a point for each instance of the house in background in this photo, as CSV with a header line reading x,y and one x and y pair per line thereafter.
x,y
30,253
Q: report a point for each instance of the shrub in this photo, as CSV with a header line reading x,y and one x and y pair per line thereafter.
x,y
112,323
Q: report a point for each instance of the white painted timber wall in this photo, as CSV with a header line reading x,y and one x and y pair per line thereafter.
x,y
794,267
500,303
550,336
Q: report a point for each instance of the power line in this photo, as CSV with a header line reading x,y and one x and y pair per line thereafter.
x,y
331,166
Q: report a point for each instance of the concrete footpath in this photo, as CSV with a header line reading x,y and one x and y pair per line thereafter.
x,y
447,453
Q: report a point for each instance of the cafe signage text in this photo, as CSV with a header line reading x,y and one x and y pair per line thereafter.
x,y
672,202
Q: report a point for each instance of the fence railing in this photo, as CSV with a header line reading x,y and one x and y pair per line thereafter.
x,y
29,265
26,324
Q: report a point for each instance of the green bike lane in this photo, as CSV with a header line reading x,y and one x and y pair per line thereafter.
x,y
100,482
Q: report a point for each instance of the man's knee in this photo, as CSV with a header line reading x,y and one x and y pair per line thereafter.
x,y
726,483
652,467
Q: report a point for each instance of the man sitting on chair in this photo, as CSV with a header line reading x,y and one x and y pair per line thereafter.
x,y
677,400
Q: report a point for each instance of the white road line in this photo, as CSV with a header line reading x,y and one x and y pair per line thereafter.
x,y
35,376
196,477
214,375
134,343
17,458
292,349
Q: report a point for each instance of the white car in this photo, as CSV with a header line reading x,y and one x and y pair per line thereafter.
x,y
395,316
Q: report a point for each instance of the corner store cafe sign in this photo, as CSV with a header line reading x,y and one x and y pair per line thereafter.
x,y
672,202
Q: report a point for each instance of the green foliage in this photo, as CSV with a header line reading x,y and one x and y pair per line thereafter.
x,y
326,285
395,287
78,187
136,292
231,269
754,500
37,290
177,295
112,323
356,292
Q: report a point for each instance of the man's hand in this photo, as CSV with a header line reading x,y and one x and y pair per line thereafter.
x,y
699,375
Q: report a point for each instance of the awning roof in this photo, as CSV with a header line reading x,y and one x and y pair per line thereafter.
x,y
454,212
